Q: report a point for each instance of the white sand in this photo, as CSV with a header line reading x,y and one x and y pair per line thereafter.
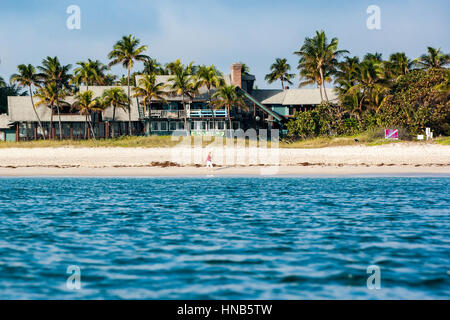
x,y
392,158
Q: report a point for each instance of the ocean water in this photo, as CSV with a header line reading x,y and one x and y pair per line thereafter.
x,y
224,238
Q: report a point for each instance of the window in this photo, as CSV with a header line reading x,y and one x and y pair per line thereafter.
x,y
198,125
180,125
154,126
220,125
172,126
163,126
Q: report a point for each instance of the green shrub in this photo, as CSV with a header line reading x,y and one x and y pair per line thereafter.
x,y
350,127
302,126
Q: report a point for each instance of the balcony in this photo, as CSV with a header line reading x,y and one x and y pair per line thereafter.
x,y
167,114
208,114
175,114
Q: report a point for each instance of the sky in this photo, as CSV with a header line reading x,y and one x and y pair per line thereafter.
x,y
217,32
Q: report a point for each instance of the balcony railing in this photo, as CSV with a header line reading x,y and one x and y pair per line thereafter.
x,y
208,114
169,114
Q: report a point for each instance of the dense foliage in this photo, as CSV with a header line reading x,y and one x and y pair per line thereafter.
x,y
373,93
413,102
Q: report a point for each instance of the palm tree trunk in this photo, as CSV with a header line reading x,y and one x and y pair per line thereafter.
x,y
113,121
85,126
188,130
360,112
150,119
230,127
282,84
59,121
325,91
129,104
321,94
92,129
50,134
323,83
35,112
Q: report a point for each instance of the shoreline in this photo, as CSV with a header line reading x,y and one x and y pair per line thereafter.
x,y
282,171
392,159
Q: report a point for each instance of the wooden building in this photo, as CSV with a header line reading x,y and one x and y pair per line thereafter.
x,y
267,109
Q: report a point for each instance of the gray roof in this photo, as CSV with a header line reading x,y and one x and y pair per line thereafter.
x,y
307,96
292,96
269,96
20,109
121,115
4,121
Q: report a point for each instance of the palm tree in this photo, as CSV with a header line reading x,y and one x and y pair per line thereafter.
x,y
351,104
346,74
377,56
48,95
370,86
109,80
280,71
27,77
2,83
245,68
86,104
434,59
319,54
310,75
126,51
116,97
398,64
151,66
183,84
53,72
209,77
149,90
90,72
228,96
173,67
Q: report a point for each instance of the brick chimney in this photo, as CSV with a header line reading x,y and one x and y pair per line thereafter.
x,y
236,74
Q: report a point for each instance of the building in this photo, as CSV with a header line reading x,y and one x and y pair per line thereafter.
x,y
266,109
7,132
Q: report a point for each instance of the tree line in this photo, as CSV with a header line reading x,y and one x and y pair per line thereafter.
x,y
372,92
52,82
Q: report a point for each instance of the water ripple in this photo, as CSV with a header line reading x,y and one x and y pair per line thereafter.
x,y
224,238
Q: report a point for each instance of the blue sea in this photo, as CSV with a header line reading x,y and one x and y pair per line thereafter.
x,y
225,238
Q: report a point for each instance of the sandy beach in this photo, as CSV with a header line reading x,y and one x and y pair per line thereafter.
x,y
398,158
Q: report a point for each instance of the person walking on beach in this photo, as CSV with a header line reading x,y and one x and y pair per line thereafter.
x,y
209,161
